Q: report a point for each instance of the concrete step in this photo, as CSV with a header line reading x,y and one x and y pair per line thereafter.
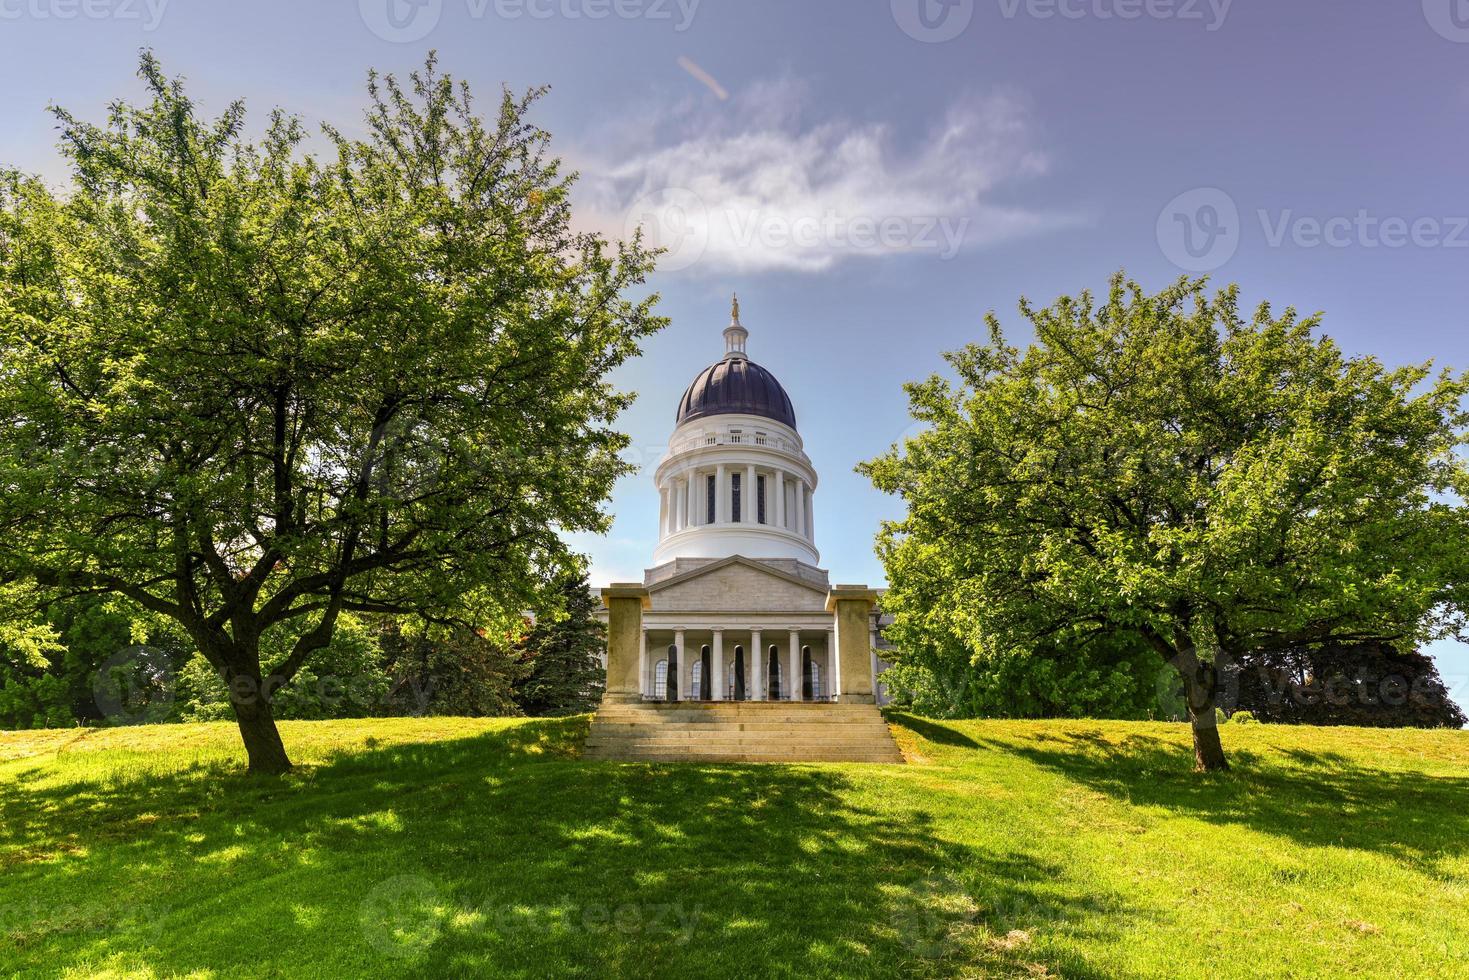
x,y
650,754
710,742
744,731
751,725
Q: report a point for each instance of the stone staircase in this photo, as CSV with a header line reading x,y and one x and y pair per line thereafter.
x,y
740,731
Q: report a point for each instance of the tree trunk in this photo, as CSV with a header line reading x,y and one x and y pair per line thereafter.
x,y
1201,688
1208,750
263,744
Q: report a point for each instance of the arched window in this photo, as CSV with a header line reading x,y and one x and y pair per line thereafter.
x,y
696,678
660,680
816,691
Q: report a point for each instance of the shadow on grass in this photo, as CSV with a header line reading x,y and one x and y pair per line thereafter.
x,y
504,854
1313,798
936,732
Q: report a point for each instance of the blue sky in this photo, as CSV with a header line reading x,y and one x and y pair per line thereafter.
x,y
873,177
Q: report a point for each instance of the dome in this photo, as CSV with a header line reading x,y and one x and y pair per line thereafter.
x,y
736,386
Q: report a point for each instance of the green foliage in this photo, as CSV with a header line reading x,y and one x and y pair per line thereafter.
x,y
458,672
346,679
1243,718
1368,684
252,390
562,653
108,664
1157,465
1105,678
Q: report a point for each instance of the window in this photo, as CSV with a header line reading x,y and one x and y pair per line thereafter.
x,y
759,438
696,678
734,496
660,680
760,499
735,435
711,440
816,693
709,482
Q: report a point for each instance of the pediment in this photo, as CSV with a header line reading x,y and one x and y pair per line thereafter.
x,y
735,584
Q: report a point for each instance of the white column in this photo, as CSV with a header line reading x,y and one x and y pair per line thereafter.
x,y
795,657
716,683
721,495
750,499
832,670
677,680
800,527
810,517
643,687
758,662
665,513
688,500
780,498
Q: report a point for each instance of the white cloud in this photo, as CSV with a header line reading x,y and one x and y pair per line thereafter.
x,y
753,187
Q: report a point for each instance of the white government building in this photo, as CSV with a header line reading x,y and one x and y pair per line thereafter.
x,y
736,607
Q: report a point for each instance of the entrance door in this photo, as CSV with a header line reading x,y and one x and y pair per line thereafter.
x,y
672,676
706,676
739,672
808,682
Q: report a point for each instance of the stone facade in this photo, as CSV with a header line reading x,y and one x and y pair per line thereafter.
x,y
736,607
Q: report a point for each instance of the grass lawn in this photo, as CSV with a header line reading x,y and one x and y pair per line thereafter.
x,y
451,847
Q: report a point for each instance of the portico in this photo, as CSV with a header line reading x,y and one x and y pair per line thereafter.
x,y
728,661
736,622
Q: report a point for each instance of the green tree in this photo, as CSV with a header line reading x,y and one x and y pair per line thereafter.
x,y
249,389
1096,676
563,652
109,664
459,672
1157,465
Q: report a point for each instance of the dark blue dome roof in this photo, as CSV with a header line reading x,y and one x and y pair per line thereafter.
x,y
736,386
